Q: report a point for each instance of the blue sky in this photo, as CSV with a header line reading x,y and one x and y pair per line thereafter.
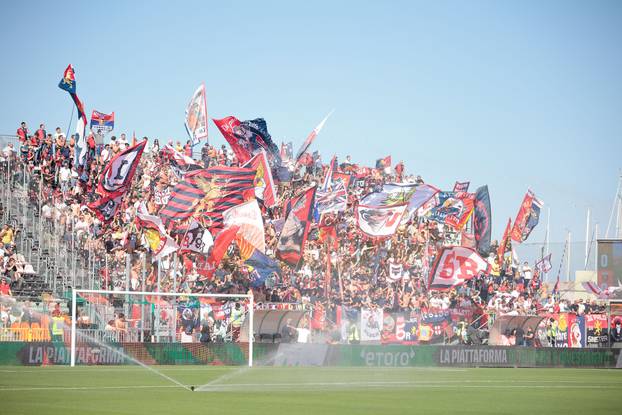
x,y
509,94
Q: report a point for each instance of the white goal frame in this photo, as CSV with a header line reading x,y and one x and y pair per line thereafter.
x,y
75,292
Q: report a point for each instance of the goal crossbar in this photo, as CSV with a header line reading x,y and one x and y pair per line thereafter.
x,y
76,291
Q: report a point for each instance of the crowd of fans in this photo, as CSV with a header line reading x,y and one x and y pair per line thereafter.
x,y
359,270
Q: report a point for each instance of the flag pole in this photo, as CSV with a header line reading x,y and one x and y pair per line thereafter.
x,y
587,237
73,108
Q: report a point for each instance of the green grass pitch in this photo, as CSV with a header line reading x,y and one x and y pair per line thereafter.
x,y
296,390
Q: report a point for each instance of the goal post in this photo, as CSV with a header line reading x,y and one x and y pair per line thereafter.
x,y
172,300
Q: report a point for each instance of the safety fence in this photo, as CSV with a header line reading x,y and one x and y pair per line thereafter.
x,y
57,353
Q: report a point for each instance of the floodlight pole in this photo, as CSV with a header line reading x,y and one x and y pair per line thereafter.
x,y
73,326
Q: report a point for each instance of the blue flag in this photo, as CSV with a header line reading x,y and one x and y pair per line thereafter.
x,y
263,267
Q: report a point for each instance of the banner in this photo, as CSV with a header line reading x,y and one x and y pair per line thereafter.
x,y
383,163
101,124
260,265
482,220
393,194
247,216
265,189
296,227
333,200
105,208
196,116
395,271
180,163
161,196
527,217
504,246
197,239
155,235
247,138
206,194
68,83
596,330
453,209
461,186
454,265
379,222
309,140
544,265
119,171
371,324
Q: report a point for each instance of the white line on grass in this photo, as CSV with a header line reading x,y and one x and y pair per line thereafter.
x,y
317,385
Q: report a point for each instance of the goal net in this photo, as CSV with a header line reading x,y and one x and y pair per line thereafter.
x,y
148,328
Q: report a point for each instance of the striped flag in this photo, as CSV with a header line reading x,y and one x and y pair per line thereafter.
x,y
206,194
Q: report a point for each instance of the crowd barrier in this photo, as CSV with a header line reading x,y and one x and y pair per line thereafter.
x,y
57,353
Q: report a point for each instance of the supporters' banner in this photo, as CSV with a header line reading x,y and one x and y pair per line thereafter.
x,y
453,209
206,194
119,171
454,265
265,189
482,220
196,116
544,265
197,239
161,196
180,163
260,265
576,330
394,194
433,324
461,186
307,143
247,138
371,324
155,236
101,124
332,200
527,218
391,195
383,163
393,328
296,227
221,244
596,330
106,207
68,83
379,221
344,178
395,271
505,244
247,216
